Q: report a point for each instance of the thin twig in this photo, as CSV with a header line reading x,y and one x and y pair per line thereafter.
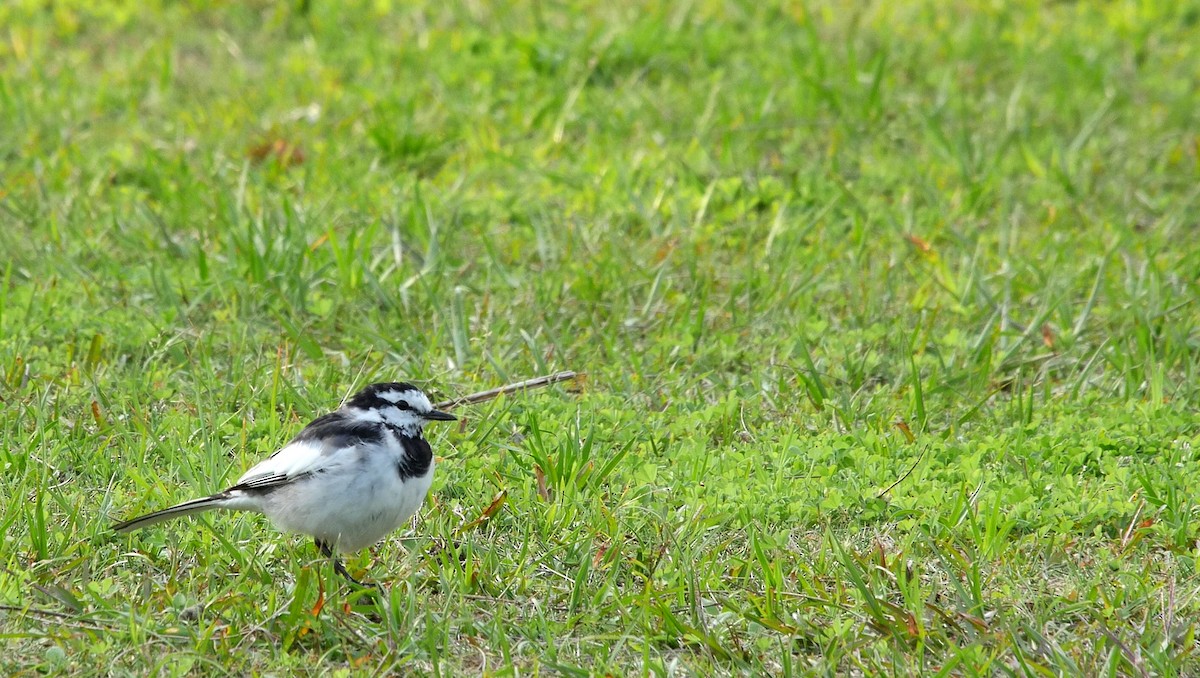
x,y
41,589
1127,535
36,611
907,473
1134,659
62,619
536,382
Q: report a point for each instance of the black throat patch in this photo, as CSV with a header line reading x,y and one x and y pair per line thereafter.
x,y
418,455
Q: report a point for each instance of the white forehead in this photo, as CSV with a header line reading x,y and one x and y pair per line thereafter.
x,y
415,399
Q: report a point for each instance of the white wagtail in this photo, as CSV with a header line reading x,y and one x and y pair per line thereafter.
x,y
349,478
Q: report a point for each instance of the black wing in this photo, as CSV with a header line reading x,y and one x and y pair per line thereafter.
x,y
336,430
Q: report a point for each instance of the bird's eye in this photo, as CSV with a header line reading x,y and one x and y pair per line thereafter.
x,y
403,406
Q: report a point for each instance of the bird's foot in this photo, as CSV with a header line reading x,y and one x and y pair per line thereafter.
x,y
339,568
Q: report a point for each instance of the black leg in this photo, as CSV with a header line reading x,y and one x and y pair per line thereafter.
x,y
337,563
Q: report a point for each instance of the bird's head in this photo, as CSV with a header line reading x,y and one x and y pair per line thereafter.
x,y
398,404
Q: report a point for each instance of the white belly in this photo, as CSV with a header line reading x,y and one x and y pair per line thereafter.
x,y
350,507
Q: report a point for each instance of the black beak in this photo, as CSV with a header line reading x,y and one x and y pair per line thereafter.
x,y
438,415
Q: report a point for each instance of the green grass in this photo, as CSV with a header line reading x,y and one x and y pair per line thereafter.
x,y
802,253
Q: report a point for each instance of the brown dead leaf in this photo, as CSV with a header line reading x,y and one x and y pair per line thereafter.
x,y
542,490
904,429
492,509
920,243
321,240
497,502
665,250
978,623
1048,335
596,559
910,622
286,153
320,604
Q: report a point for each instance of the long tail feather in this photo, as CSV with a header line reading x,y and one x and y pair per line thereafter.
x,y
186,508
